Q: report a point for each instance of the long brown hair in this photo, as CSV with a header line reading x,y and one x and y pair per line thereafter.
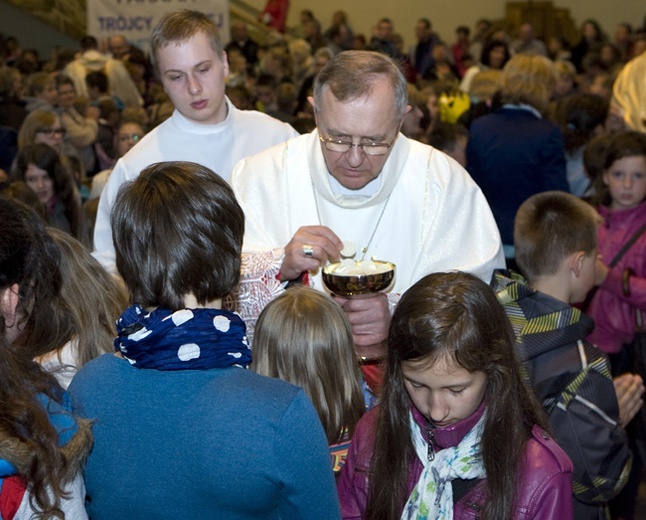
x,y
454,316
89,303
304,338
29,259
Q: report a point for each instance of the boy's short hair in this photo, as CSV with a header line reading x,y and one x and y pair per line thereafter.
x,y
445,136
549,226
178,26
177,230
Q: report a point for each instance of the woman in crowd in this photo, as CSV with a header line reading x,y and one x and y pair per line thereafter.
x,y
42,446
515,152
177,413
82,126
495,54
580,117
41,168
592,38
42,126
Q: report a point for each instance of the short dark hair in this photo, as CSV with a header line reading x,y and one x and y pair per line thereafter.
x,y
579,115
549,226
88,42
444,136
98,79
177,230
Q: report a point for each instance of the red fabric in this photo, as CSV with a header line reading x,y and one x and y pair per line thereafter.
x,y
277,11
373,376
13,489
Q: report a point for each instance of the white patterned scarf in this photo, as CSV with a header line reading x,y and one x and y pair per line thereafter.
x,y
432,498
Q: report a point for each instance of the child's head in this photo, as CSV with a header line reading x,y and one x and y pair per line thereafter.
x,y
177,231
97,83
549,228
451,139
303,337
623,182
451,327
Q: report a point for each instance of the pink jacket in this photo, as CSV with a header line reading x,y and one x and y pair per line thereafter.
x,y
612,311
545,487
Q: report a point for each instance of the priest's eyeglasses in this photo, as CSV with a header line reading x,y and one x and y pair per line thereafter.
x,y
339,146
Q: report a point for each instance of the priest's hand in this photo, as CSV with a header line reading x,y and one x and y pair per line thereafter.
x,y
310,248
369,317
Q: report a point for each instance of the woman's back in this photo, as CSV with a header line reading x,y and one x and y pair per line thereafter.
x,y
219,443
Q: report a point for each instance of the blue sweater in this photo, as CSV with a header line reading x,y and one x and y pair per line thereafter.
x,y
222,443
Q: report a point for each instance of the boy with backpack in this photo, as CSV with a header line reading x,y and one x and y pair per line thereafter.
x,y
555,238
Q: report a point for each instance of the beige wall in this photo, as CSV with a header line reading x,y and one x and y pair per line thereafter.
x,y
447,15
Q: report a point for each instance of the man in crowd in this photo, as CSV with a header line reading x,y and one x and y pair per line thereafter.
x,y
205,127
356,187
420,54
527,42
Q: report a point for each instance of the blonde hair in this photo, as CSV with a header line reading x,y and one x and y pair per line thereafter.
x,y
565,68
485,84
529,80
89,303
304,338
33,123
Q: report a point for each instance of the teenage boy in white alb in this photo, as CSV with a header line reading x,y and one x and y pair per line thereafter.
x,y
205,127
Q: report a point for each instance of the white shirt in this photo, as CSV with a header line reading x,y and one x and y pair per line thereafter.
x,y
217,147
436,218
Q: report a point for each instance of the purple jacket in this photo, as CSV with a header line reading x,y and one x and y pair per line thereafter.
x,y
545,486
612,311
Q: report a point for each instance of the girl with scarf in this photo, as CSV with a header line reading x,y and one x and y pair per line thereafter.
x,y
42,445
457,433
182,428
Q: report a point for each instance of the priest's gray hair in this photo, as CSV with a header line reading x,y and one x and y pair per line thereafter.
x,y
352,74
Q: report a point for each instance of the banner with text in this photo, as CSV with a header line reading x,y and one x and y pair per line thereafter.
x,y
135,19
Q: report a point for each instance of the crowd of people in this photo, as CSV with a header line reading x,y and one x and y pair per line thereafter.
x,y
170,348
